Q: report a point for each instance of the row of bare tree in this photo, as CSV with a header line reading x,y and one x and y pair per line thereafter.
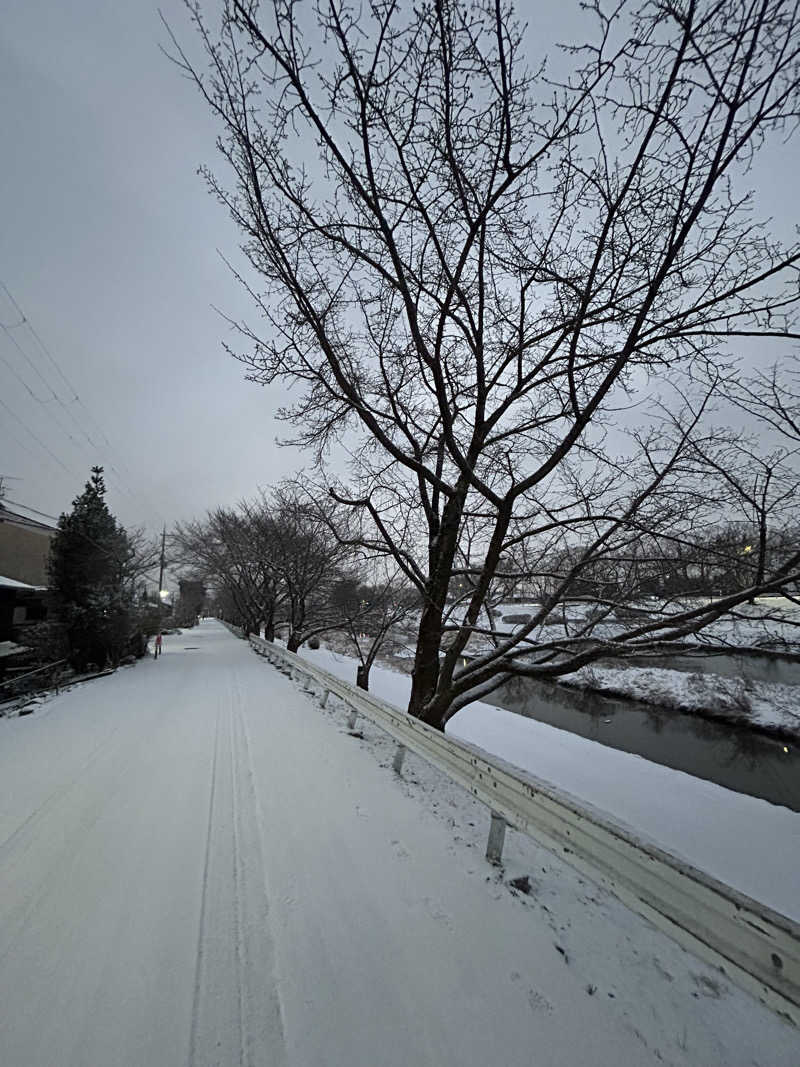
x,y
534,303
291,561
283,563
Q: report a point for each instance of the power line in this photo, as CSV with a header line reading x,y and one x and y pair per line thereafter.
x,y
17,375
25,321
52,414
44,348
49,355
7,331
39,442
39,399
75,398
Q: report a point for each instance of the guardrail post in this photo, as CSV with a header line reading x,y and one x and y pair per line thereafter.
x,y
399,756
324,699
351,720
497,836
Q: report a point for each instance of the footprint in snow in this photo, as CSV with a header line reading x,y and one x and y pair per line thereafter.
x,y
437,913
399,851
537,1001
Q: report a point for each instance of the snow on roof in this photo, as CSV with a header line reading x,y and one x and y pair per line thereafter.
x,y
14,584
7,515
10,648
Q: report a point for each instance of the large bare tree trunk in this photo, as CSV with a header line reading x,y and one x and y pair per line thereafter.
x,y
425,674
293,642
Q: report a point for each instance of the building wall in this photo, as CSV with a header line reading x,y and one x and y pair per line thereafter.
x,y
24,551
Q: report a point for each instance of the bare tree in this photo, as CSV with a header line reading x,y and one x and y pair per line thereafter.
x,y
523,292
145,553
773,397
309,560
372,616
229,550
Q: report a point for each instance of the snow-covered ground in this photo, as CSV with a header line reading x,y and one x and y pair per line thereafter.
x,y
200,866
749,702
771,622
743,841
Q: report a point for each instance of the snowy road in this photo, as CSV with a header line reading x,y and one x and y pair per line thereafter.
x,y
197,867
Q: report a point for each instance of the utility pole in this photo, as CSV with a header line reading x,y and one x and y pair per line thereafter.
x,y
160,584
161,568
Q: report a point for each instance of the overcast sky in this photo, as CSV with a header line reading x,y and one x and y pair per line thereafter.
x,y
109,245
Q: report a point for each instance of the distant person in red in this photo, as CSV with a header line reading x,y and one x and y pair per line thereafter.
x,y
158,646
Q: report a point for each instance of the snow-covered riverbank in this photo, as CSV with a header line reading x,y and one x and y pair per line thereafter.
x,y
768,706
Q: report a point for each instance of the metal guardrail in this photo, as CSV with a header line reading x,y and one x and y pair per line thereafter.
x,y
753,945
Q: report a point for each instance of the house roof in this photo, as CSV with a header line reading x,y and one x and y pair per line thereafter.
x,y
7,515
10,648
12,583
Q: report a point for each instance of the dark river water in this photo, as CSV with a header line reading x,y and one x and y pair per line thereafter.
x,y
731,756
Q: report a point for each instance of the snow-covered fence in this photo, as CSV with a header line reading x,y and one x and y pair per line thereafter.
x,y
754,945
28,682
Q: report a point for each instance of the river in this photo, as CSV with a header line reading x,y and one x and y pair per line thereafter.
x,y
731,756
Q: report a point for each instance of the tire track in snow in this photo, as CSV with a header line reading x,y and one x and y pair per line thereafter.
x,y
263,1039
238,882
236,1016
203,902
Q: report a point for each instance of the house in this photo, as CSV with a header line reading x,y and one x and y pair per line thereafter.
x,y
21,606
24,552
24,547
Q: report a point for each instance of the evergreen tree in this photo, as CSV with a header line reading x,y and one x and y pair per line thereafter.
x,y
89,562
